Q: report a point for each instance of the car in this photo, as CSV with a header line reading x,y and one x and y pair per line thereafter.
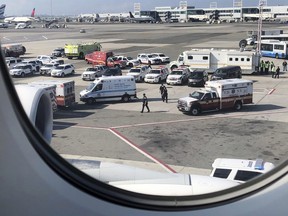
x,y
156,75
57,61
47,68
113,72
178,76
45,58
197,78
82,31
92,72
63,70
34,63
162,57
3,25
12,61
228,72
131,62
21,70
139,72
58,52
148,59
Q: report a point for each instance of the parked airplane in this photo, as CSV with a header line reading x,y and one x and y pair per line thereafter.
x,y
22,19
141,19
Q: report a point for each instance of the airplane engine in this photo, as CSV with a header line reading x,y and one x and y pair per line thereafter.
x,y
38,107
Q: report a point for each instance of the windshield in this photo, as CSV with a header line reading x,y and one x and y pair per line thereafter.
x,y
59,67
176,72
196,75
134,70
196,95
49,65
219,72
90,86
154,72
91,69
19,67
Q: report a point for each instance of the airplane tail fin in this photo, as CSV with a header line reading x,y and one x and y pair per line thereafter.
x,y
33,12
131,15
2,10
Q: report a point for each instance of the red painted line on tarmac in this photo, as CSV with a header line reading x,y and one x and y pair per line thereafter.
x,y
271,91
142,151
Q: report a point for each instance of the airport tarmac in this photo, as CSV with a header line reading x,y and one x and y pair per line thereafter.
x,y
164,139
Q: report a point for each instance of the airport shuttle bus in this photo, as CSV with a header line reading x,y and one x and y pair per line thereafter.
x,y
274,48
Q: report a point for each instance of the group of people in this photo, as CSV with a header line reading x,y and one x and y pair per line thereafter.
x,y
267,66
164,96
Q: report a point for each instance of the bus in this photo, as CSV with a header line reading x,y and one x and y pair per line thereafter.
x,y
274,48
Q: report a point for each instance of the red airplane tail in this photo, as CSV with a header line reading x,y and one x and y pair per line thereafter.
x,y
33,12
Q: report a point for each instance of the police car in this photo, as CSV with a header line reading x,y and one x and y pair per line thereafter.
x,y
156,75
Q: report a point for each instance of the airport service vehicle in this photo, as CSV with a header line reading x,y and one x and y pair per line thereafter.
x,y
211,59
21,70
104,58
65,90
47,68
46,58
80,50
162,57
156,75
12,61
92,72
198,78
148,59
58,52
13,50
239,170
131,62
63,70
218,95
178,76
274,49
139,72
114,88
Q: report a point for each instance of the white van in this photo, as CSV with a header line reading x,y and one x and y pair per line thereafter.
x,y
111,88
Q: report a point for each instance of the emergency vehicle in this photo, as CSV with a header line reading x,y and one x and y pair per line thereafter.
x,y
211,59
105,58
239,170
111,88
218,95
156,75
80,50
65,91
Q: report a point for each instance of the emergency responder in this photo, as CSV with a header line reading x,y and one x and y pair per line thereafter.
x,y
165,95
262,66
272,69
277,72
267,66
161,90
145,103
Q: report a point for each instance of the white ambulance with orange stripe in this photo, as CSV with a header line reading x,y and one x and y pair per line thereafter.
x,y
65,91
218,95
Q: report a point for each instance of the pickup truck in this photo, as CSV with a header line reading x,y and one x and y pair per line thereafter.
x,y
218,95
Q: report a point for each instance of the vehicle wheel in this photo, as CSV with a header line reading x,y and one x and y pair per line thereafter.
x,y
238,105
276,56
130,65
69,57
149,62
195,111
91,101
125,98
173,67
243,43
62,75
73,72
22,74
159,80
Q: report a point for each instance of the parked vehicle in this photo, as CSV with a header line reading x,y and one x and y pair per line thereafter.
x,y
34,63
156,75
80,50
21,70
130,62
212,59
12,61
63,70
47,68
58,52
113,72
65,91
116,88
198,78
92,72
45,58
239,170
139,72
148,59
162,57
218,95
104,58
13,50
178,76
228,72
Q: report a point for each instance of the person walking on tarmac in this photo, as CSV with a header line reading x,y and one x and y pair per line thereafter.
x,y
165,95
262,66
277,72
284,64
272,66
267,66
145,103
161,89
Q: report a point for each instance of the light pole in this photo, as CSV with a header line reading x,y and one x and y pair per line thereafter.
x,y
51,8
259,34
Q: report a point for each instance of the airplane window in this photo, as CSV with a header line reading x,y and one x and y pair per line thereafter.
x,y
100,149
